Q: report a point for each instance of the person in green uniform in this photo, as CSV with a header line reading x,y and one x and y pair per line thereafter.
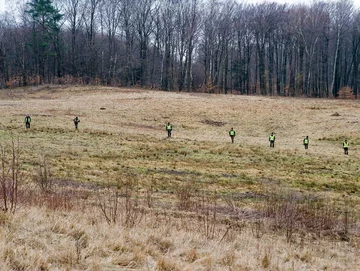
x,y
168,129
27,121
346,147
272,140
232,134
306,142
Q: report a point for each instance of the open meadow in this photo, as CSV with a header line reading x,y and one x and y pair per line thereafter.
x,y
117,194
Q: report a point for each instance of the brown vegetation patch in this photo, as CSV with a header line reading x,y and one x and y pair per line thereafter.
x,y
346,93
213,122
142,126
67,183
132,90
7,104
245,195
316,108
174,172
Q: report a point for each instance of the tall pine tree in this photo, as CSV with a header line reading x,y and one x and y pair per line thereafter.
x,y
45,19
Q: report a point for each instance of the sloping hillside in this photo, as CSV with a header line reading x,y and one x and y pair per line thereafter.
x,y
117,194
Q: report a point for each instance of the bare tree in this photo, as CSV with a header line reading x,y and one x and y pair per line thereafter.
x,y
341,14
11,175
166,20
192,29
74,16
145,13
356,53
263,24
128,27
112,15
90,21
266,48
2,66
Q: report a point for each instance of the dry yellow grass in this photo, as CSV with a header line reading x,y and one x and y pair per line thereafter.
x,y
39,239
122,139
130,134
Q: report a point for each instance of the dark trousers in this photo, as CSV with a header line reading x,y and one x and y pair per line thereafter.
x,y
76,125
232,138
27,124
306,146
272,144
346,151
169,133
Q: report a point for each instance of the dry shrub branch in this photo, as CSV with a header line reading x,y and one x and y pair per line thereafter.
x,y
121,203
294,213
44,178
11,175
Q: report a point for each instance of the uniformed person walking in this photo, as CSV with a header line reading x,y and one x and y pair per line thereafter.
x,y
346,147
76,122
306,142
168,129
272,140
27,121
232,134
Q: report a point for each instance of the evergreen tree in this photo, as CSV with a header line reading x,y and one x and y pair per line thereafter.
x,y
45,19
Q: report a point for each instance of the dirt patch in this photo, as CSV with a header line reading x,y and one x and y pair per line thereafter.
x,y
236,196
67,183
142,126
174,172
213,122
7,104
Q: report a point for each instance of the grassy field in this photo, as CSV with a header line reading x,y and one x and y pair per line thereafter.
x,y
191,202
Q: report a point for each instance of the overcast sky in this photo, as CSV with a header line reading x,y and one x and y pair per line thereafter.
x,y
2,5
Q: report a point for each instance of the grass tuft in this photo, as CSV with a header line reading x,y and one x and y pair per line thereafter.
x,y
165,264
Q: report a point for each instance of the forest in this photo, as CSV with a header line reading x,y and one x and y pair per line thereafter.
x,y
214,46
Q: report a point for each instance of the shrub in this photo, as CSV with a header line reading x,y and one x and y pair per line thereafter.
x,y
43,178
294,212
11,175
121,202
164,264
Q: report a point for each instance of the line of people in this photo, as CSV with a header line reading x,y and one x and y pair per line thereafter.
x,y
27,122
232,135
306,143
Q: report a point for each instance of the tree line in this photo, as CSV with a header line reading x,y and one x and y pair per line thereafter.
x,y
184,45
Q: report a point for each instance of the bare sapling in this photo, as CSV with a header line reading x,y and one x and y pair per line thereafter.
x,y
295,213
208,220
43,178
11,175
121,203
133,213
108,204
